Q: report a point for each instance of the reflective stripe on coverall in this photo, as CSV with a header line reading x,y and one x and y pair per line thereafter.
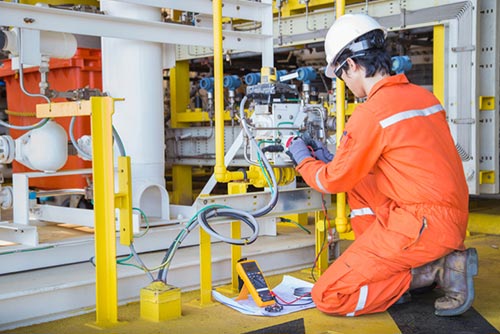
x,y
407,191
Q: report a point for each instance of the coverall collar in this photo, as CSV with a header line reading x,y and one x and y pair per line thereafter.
x,y
392,80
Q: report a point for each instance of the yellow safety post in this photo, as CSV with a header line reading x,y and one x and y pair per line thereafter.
x,y
233,288
104,211
341,219
220,168
321,237
235,188
438,62
182,180
221,173
205,246
205,269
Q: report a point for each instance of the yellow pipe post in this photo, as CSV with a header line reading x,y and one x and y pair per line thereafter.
x,y
220,168
235,188
438,63
319,236
341,219
182,178
221,173
205,269
104,211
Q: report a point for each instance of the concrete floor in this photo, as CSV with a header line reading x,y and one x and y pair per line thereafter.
x,y
221,319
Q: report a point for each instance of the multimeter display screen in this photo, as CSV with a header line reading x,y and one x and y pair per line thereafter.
x,y
254,275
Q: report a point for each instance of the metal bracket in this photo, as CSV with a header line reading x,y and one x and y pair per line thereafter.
x,y
466,48
123,200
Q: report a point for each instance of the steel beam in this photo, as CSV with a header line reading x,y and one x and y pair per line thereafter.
x,y
247,10
52,19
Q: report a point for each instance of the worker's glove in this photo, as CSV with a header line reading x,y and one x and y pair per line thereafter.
x,y
298,151
320,152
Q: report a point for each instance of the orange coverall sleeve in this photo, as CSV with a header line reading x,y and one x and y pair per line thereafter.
x,y
360,147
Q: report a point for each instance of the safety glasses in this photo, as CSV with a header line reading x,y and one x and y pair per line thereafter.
x,y
338,71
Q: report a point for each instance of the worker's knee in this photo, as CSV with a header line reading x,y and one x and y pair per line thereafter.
x,y
331,303
333,307
339,289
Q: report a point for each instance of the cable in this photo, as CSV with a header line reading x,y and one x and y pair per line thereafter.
x,y
243,216
19,113
307,17
139,260
82,153
25,127
146,220
119,142
286,220
266,175
122,261
282,302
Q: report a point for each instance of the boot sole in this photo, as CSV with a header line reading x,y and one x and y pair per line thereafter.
x,y
472,269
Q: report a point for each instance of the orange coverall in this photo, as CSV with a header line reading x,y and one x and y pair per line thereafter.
x,y
407,193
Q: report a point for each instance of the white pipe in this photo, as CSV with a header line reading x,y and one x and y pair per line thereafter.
x,y
133,70
52,44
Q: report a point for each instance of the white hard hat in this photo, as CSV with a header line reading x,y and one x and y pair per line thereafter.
x,y
343,32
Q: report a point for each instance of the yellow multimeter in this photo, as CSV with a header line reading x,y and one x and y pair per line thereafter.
x,y
254,283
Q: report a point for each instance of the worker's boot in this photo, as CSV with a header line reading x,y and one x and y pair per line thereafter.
x,y
423,278
457,283
428,274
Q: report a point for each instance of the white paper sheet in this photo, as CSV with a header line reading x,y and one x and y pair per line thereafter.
x,y
284,290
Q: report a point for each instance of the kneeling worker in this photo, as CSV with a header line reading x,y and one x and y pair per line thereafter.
x,y
404,180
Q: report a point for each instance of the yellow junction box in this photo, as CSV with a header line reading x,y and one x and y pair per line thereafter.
x,y
160,302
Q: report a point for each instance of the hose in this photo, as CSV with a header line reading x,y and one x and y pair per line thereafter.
x,y
25,127
119,142
74,142
139,260
243,216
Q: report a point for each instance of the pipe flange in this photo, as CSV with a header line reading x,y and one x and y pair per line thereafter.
x,y
7,149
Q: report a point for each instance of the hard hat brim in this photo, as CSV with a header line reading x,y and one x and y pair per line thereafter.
x,y
330,71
